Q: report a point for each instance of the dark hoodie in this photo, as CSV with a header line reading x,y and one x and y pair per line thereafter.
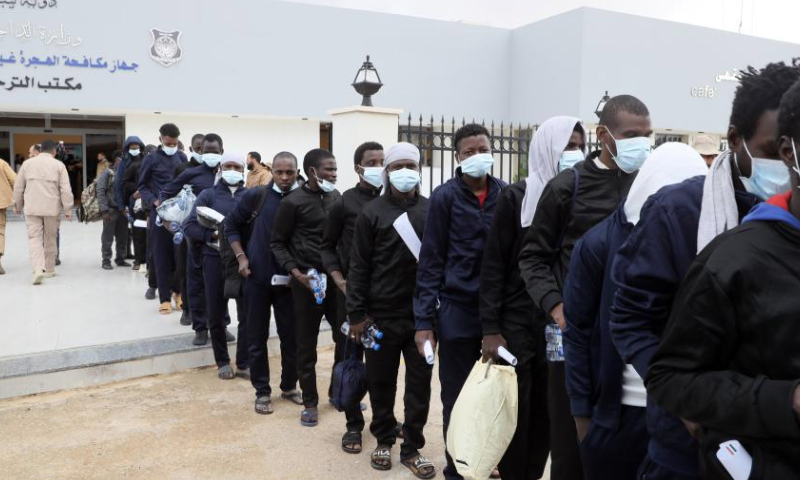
x,y
729,359
119,190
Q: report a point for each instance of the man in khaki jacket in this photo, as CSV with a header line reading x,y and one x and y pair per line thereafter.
x,y
42,191
257,174
7,177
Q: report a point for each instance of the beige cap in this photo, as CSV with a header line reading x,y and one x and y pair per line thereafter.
x,y
705,145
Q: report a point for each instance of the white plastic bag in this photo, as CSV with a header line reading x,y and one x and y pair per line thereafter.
x,y
177,209
483,420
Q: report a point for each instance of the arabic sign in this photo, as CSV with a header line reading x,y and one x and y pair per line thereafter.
x,y
55,60
165,48
41,4
729,77
29,30
30,82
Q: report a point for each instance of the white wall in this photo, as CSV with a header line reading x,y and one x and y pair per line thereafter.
x,y
266,136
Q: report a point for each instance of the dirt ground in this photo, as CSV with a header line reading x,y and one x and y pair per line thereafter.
x,y
188,425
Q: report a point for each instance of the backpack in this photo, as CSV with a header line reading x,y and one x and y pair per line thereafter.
x,y
90,207
229,263
349,381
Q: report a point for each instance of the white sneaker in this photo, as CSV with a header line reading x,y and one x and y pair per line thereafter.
x,y
38,275
50,274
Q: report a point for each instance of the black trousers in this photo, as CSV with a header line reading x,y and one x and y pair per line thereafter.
x,y
114,229
139,241
456,359
164,261
619,453
179,275
354,417
152,278
194,289
382,369
308,316
565,458
216,306
260,299
526,456
650,470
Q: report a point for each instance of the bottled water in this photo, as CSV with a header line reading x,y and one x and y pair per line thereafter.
x,y
366,338
177,238
555,343
373,332
158,221
318,284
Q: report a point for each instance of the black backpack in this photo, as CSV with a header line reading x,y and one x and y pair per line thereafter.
x,y
230,265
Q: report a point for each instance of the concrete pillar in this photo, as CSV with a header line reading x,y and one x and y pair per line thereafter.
x,y
353,126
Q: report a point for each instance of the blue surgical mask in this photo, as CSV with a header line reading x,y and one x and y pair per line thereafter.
x,y
232,177
169,150
197,157
477,165
278,189
324,185
569,158
404,180
373,176
134,152
767,177
212,159
631,152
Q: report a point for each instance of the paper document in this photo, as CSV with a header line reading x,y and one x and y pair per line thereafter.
x,y
735,459
282,280
407,233
140,223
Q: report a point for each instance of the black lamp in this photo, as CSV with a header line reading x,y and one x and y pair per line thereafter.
x,y
367,82
601,105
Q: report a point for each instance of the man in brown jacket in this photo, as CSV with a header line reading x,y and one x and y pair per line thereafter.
x,y
257,174
42,192
7,177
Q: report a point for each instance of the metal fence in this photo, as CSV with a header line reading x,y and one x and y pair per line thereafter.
x,y
435,142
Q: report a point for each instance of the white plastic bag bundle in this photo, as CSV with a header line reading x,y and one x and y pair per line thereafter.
x,y
483,420
177,209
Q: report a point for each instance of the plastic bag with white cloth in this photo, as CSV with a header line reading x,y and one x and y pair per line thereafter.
x,y
483,420
178,208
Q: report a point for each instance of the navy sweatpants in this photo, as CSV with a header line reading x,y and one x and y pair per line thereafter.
x,y
616,453
164,261
216,306
260,299
195,287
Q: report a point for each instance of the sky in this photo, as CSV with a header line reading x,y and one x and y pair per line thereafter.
x,y
773,19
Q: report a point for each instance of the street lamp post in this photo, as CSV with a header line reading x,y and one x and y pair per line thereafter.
x,y
367,82
601,105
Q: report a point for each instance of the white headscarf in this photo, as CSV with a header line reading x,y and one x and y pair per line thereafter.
x,y
670,163
399,151
549,141
231,157
718,211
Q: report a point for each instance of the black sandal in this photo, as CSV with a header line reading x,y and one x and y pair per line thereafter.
x,y
351,442
264,405
225,372
381,458
417,464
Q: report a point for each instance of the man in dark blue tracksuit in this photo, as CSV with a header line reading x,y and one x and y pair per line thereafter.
x,y
157,170
200,177
460,214
654,260
222,198
248,229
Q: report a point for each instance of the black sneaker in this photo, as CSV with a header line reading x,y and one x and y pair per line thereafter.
x,y
58,261
186,319
200,338
122,263
135,266
229,336
150,294
107,266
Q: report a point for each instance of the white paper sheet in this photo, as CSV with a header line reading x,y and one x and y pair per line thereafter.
x,y
140,223
403,227
735,459
282,280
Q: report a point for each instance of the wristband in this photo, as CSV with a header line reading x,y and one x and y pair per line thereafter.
x,y
239,255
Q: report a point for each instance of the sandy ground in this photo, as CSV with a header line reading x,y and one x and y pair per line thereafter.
x,y
188,425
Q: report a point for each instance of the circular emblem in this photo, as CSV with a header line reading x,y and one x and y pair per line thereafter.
x,y
166,47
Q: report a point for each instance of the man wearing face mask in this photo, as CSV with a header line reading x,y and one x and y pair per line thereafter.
x,y
676,224
200,178
336,243
158,169
572,203
222,198
132,159
460,213
729,359
381,292
296,243
257,174
508,315
248,229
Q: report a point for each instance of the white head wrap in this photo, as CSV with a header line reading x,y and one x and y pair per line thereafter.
x,y
550,139
718,211
668,164
231,157
399,151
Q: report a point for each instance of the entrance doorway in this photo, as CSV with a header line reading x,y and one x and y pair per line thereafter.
x,y
84,136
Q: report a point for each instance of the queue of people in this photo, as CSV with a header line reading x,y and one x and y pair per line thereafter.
x,y
648,296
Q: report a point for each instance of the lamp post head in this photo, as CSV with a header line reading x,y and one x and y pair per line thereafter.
x,y
601,105
367,82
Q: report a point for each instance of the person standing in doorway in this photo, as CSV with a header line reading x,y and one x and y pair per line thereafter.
x,y
43,193
7,178
115,222
102,164
257,173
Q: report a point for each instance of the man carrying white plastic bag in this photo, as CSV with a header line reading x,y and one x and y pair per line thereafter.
x,y
484,420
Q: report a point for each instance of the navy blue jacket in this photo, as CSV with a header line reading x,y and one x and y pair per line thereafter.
x,y
263,264
593,366
648,270
200,178
218,198
158,169
119,191
452,250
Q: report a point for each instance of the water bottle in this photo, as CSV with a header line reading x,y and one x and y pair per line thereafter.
x,y
366,340
555,343
177,238
373,332
158,221
174,226
317,285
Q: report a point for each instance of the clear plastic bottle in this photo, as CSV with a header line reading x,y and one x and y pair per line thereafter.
x,y
373,332
177,238
555,343
318,285
366,340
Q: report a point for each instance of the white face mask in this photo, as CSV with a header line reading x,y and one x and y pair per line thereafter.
x,y
134,152
373,176
324,185
169,150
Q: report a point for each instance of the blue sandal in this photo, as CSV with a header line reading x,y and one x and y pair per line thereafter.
x,y
309,417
